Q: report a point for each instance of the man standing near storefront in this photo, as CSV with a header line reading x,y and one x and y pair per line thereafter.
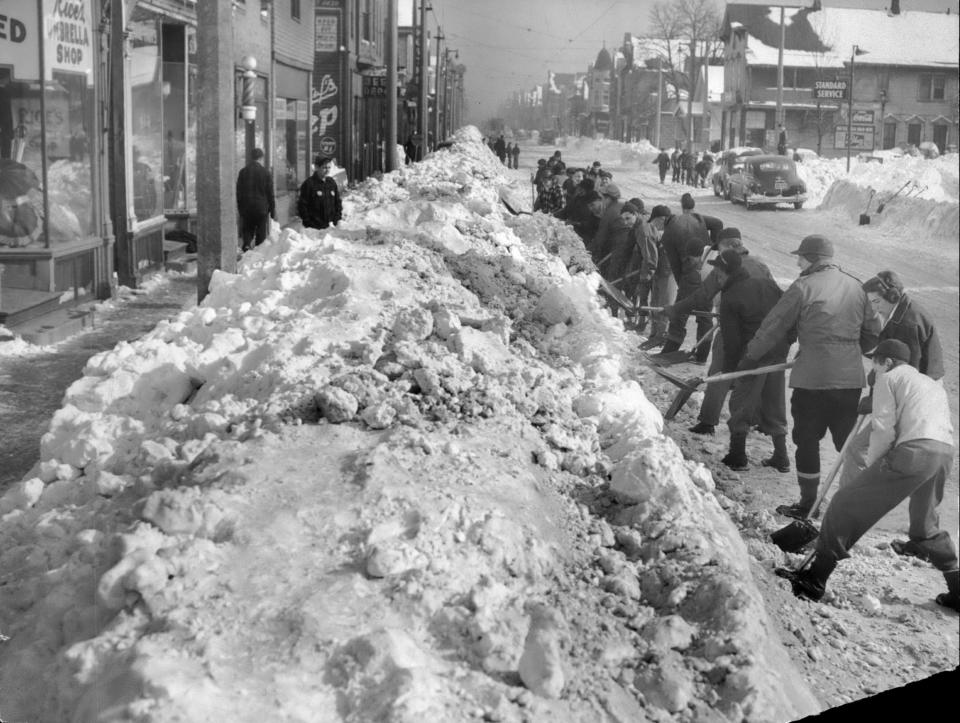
x,y
318,204
255,201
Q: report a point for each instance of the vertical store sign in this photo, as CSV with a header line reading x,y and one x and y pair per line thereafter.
x,y
19,38
68,38
326,97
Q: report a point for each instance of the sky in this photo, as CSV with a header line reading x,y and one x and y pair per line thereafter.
x,y
509,45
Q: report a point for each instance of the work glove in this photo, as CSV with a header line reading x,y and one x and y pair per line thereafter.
x,y
871,378
865,406
746,364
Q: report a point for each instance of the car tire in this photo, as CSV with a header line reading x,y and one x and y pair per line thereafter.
x,y
798,205
726,193
716,191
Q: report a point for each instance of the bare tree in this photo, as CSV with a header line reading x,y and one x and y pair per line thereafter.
x,y
689,31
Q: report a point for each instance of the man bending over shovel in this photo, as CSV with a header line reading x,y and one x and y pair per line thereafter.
x,y
757,400
910,455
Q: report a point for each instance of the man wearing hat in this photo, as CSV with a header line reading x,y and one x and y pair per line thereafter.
x,y
663,288
601,244
835,326
633,259
910,455
756,401
685,237
716,392
318,203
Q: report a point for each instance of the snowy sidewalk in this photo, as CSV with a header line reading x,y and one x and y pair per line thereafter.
x,y
33,379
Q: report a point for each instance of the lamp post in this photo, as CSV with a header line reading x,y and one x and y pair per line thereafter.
x,y
853,58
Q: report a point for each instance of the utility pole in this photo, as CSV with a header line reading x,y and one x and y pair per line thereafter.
x,y
780,67
216,172
853,60
424,78
436,90
391,85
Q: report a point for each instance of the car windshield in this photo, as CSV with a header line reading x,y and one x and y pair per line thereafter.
x,y
769,166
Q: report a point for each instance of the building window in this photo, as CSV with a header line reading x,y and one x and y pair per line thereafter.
x,y
295,9
366,21
914,131
889,134
940,136
932,86
146,106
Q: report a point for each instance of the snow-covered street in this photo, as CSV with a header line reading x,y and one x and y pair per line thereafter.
x,y
411,469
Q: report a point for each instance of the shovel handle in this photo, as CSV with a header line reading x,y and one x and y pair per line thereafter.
x,y
835,467
748,372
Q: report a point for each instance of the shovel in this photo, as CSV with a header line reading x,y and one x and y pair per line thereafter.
x,y
690,386
657,309
890,198
864,218
800,533
680,355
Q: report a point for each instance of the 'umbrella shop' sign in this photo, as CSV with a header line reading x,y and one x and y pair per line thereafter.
x,y
67,37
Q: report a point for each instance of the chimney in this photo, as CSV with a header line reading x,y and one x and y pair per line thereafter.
x,y
894,7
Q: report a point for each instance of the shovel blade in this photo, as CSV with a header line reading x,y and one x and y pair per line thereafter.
x,y
864,219
795,536
677,404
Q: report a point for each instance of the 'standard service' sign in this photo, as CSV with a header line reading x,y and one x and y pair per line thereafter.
x,y
830,90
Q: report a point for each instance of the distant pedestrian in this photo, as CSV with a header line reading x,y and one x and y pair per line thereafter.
x,y
318,203
676,160
782,140
500,148
516,155
663,163
255,201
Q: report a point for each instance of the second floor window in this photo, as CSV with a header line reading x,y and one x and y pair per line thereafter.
x,y
295,9
932,86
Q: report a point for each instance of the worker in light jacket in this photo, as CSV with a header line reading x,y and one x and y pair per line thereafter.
x,y
910,455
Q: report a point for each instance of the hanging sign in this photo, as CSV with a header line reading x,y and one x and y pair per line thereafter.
x,y
68,37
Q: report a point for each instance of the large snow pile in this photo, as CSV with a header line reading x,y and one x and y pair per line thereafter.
x,y
929,190
609,151
405,470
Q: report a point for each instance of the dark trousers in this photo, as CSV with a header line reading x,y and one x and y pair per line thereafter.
x,y
662,293
663,174
815,411
677,331
716,392
759,401
676,174
253,228
916,469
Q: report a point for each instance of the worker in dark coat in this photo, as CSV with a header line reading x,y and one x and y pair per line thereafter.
x,y
663,163
515,155
910,455
255,201
676,160
715,393
500,148
835,326
577,213
685,237
756,401
318,203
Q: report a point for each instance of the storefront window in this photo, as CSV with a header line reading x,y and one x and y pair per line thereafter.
x,y
290,152
192,103
21,163
146,106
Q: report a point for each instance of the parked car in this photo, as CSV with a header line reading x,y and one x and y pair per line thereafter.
x,y
767,179
729,162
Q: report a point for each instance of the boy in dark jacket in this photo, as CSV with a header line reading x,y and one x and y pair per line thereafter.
x,y
318,203
757,400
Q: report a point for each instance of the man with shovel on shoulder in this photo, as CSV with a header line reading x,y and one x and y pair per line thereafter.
x,y
835,325
910,455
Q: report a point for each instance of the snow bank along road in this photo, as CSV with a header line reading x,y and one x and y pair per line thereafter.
x,y
402,471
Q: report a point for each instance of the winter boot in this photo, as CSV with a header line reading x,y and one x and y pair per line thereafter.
x,y
703,428
736,458
808,495
908,548
951,598
810,582
780,461
670,346
653,342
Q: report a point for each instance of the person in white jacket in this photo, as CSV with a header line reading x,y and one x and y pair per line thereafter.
x,y
910,454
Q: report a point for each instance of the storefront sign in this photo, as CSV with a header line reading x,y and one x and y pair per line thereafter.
x,y
19,40
861,138
864,117
327,33
68,37
374,86
830,90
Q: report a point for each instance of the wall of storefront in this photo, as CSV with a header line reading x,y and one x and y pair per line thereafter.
x,y
53,246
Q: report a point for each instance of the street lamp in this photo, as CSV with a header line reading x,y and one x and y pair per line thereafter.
x,y
853,57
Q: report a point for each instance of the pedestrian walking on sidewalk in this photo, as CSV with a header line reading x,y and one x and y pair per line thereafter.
x,y
910,455
756,401
835,326
318,203
255,201
663,163
515,155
